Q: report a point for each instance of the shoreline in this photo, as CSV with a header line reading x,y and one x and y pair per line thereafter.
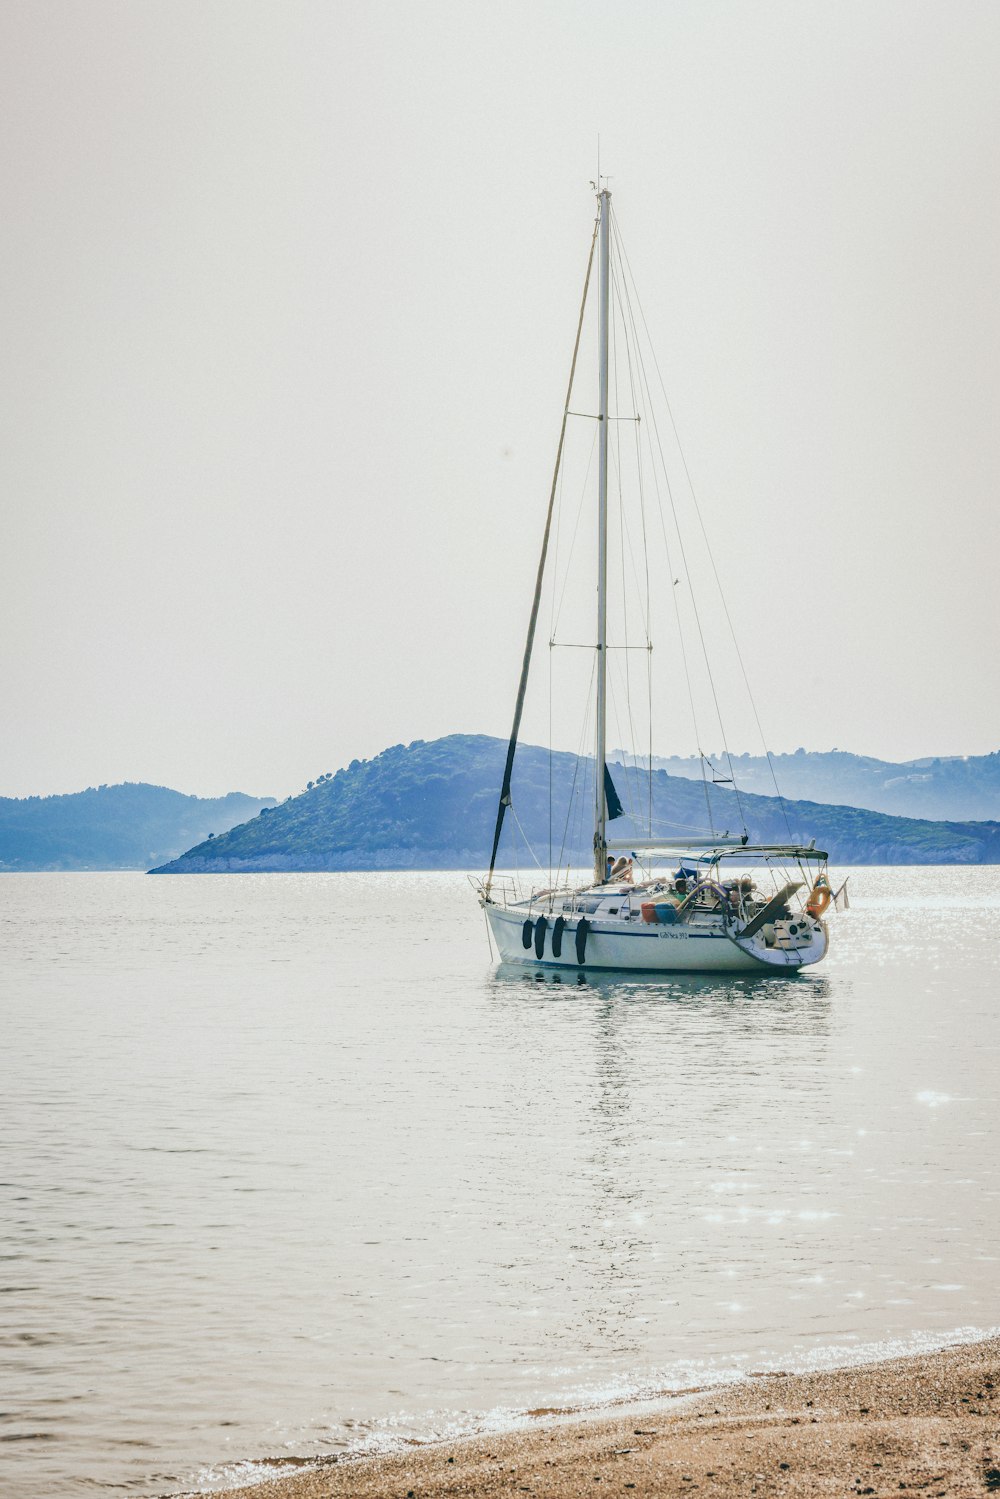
x,y
924,1421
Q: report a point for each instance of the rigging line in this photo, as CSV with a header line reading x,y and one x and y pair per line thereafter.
x,y
626,545
681,639
628,539
531,851
644,818
550,766
631,762
687,572
628,709
660,823
704,533
767,752
638,450
578,809
552,612
659,499
576,530
630,806
586,798
555,553
529,642
645,552
623,533
633,789
616,461
576,764
725,605
708,799
645,542
649,754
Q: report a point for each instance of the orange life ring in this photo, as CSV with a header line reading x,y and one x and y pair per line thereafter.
x,y
819,901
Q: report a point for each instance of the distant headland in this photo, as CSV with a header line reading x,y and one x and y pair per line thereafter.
x,y
113,827
431,805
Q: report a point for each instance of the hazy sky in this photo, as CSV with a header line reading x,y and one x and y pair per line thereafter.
x,y
288,300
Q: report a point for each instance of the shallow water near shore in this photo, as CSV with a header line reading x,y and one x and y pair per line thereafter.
x,y
289,1167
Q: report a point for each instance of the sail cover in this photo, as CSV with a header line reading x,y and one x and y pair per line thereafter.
x,y
611,797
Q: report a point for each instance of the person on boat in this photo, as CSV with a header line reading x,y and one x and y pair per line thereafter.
x,y
621,872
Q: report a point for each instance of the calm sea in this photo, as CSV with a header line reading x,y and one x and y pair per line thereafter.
x,y
288,1167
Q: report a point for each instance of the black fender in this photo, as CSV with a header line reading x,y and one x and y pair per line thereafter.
x,y
526,931
541,927
582,928
557,935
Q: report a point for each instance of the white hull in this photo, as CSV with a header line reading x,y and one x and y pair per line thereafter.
x,y
649,949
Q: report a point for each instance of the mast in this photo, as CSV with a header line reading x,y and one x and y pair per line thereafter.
x,y
600,805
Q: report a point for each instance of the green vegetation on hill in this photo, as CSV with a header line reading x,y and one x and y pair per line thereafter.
x,y
433,806
113,827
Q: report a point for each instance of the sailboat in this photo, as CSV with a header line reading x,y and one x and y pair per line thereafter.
x,y
658,904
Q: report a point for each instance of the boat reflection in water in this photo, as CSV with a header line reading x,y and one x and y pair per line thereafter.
x,y
630,983
677,1208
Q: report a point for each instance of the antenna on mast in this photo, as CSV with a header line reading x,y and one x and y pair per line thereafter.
x,y
598,183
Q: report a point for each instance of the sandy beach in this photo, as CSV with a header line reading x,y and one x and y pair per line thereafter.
x,y
929,1423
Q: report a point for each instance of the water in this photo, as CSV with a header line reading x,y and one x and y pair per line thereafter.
x,y
288,1167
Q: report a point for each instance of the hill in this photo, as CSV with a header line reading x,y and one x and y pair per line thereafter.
x,y
433,805
954,787
113,827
